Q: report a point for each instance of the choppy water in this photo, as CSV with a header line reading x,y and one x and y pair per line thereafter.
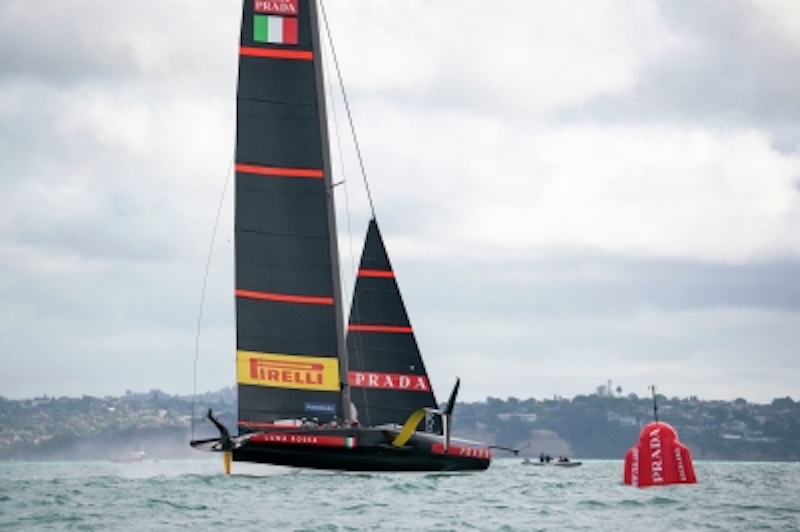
x,y
194,495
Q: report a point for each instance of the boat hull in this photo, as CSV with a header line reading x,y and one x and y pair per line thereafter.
x,y
357,449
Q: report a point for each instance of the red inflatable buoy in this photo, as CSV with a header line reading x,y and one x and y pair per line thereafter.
x,y
658,459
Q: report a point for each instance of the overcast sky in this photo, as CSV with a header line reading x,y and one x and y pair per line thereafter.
x,y
571,191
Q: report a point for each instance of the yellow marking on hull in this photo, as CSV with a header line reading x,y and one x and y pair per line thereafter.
x,y
409,427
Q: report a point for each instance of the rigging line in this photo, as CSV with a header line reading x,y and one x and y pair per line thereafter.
x,y
342,169
655,405
205,284
347,108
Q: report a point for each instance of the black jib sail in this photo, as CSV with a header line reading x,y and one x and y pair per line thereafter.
x,y
386,373
288,308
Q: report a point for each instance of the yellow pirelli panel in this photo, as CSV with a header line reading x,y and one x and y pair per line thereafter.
x,y
296,372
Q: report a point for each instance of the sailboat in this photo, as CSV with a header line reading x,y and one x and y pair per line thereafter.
x,y
311,394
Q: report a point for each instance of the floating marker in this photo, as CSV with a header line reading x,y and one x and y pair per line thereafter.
x,y
658,459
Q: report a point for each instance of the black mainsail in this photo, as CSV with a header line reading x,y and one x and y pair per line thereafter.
x,y
287,288
291,358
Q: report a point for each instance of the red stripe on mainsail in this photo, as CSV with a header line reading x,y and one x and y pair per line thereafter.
x,y
285,298
278,171
380,328
376,273
276,53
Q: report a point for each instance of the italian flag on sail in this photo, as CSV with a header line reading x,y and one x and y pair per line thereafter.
x,y
273,29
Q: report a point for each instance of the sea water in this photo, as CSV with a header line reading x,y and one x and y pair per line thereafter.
x,y
195,495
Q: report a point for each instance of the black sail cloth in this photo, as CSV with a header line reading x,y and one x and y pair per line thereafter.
x,y
387,376
286,281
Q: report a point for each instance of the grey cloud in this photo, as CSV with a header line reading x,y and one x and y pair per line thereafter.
x,y
65,42
54,42
118,307
735,70
121,326
575,285
564,324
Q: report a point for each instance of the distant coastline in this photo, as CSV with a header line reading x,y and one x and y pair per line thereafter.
x,y
600,425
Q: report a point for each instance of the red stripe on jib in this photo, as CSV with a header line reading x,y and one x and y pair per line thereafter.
x,y
285,298
380,328
376,273
277,171
276,53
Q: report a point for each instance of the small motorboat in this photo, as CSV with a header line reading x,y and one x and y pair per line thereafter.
x,y
545,460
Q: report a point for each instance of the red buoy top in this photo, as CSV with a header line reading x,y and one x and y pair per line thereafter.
x,y
658,458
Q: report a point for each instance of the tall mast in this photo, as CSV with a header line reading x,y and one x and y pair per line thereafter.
x,y
341,348
655,404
